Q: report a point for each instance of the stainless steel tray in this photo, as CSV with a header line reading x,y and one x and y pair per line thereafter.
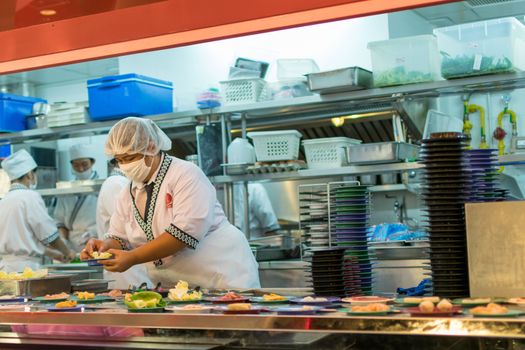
x,y
91,285
382,152
340,80
37,287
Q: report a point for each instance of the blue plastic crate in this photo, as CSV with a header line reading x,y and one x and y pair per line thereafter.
x,y
120,96
14,109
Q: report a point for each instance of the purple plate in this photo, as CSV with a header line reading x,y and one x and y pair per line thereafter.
x,y
66,309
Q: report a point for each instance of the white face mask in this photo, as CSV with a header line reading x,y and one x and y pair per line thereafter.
x,y
34,182
83,175
136,171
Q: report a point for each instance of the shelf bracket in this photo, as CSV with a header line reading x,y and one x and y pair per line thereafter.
x,y
413,131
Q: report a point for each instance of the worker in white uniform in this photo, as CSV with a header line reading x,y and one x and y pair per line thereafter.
x,y
262,218
169,217
107,201
76,215
27,232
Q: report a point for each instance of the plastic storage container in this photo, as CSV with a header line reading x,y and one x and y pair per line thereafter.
x,y
242,91
126,95
14,109
276,145
407,60
441,122
295,68
493,46
327,152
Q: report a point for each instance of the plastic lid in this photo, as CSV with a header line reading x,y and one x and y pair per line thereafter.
x,y
411,39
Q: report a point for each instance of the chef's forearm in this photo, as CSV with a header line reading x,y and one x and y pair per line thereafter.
x,y
64,232
161,247
59,245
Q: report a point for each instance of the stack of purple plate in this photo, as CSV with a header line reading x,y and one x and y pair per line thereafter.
x,y
487,180
326,271
448,183
350,214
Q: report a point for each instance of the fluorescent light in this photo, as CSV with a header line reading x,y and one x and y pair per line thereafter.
x,y
49,12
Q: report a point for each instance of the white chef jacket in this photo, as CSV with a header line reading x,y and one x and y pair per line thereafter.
x,y
262,218
26,229
84,226
107,200
184,204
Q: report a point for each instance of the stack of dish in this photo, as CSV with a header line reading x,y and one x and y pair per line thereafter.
x,y
326,271
350,213
487,180
447,185
314,218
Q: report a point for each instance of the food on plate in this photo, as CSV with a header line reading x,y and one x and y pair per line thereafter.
x,y
101,255
374,307
490,309
85,295
273,297
26,274
230,296
143,300
444,305
426,306
66,304
7,296
56,296
313,300
475,301
418,300
115,293
194,307
239,307
516,300
181,292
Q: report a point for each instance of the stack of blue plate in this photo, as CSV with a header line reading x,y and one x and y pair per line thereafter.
x,y
350,214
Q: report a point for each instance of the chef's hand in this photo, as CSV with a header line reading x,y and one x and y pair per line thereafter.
x,y
120,262
93,245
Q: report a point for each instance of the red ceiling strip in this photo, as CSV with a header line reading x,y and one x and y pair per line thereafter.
x,y
171,23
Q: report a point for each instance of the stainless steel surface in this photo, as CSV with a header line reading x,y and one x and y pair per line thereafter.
x,y
319,173
388,179
401,324
283,274
340,80
36,287
496,248
334,104
369,180
382,152
91,285
392,274
41,108
77,275
236,169
246,210
51,192
402,251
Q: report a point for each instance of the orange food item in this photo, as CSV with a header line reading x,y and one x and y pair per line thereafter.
x,y
115,293
239,307
490,309
374,307
230,296
66,304
56,296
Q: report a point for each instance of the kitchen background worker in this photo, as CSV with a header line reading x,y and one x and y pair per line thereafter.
x,y
169,217
107,200
27,229
76,215
262,217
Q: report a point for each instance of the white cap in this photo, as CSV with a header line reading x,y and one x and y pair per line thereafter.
x,y
18,164
81,151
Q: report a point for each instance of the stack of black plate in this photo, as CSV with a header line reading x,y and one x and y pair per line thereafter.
x,y
326,271
447,185
487,179
313,210
350,213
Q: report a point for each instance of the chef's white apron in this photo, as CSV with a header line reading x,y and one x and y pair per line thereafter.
x,y
17,263
205,268
134,276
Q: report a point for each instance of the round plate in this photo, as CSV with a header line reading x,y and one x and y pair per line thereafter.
x,y
465,302
14,300
66,309
329,301
218,300
43,300
414,311
253,311
260,300
181,302
509,313
295,310
13,307
96,299
147,310
181,310
365,300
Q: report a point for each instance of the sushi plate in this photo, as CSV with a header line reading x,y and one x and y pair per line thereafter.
x,y
77,308
509,313
297,310
328,301
414,311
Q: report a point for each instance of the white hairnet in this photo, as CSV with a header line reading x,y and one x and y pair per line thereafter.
x,y
136,135
18,164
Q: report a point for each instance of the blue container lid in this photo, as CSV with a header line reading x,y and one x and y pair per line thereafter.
x,y
128,77
19,98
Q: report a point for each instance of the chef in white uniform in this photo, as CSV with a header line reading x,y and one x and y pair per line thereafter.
x,y
170,218
76,215
262,218
107,200
27,229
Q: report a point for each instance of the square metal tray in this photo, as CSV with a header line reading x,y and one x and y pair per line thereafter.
x,y
340,80
37,287
382,152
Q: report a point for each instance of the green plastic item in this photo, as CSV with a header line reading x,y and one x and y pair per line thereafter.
x,y
468,65
142,300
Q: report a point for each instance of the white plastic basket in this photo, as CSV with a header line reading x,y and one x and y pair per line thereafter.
x,y
242,91
276,145
327,152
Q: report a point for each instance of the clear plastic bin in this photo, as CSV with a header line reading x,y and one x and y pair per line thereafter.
x,y
295,68
441,122
407,60
486,47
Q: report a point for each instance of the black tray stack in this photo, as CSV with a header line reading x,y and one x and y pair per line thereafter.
x,y
448,183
